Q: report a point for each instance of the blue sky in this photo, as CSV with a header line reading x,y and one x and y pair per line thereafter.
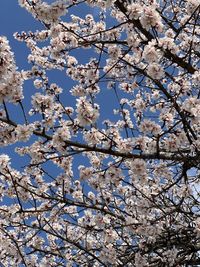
x,y
13,19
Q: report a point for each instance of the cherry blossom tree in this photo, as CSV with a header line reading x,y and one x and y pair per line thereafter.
x,y
103,187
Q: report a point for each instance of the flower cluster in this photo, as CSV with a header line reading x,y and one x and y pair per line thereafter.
x,y
45,12
10,79
147,15
87,113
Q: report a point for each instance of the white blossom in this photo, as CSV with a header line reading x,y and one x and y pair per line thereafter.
x,y
86,113
155,71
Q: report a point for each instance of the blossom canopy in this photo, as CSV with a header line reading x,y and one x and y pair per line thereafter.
x,y
112,154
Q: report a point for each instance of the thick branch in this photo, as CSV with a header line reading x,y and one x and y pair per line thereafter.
x,y
111,152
